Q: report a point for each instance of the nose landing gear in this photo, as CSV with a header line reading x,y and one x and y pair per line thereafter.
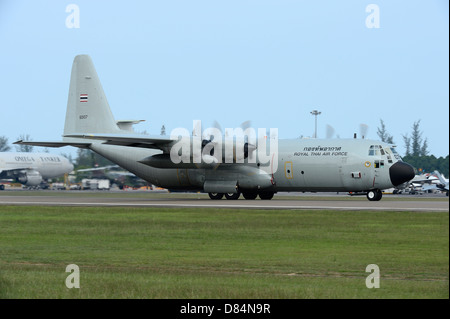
x,y
374,195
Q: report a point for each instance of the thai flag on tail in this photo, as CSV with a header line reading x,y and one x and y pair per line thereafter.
x,y
83,97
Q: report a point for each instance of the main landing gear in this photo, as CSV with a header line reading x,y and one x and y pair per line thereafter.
x,y
374,195
247,195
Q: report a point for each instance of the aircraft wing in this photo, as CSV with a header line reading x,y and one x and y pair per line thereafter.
x,y
428,187
130,140
53,144
15,169
97,168
420,179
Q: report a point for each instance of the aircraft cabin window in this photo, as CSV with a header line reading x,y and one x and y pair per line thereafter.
x,y
379,164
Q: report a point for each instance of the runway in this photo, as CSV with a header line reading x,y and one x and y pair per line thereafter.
x,y
280,202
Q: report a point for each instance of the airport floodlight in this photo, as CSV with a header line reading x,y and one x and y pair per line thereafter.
x,y
315,113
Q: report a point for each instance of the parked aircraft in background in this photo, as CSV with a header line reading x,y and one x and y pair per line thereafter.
x,y
443,186
435,181
31,169
424,183
250,168
117,175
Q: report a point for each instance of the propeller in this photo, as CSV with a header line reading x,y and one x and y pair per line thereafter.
x,y
330,131
363,129
217,126
196,131
248,147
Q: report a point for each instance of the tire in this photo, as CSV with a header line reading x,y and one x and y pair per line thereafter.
x,y
374,195
232,196
266,195
215,196
250,195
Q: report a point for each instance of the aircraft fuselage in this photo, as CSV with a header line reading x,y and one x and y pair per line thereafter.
x,y
302,165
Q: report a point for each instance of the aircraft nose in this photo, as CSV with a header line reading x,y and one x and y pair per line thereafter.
x,y
401,172
69,166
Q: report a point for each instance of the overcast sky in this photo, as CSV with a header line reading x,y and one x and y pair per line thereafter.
x,y
271,62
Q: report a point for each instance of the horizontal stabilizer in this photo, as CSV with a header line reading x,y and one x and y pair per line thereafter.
x,y
128,125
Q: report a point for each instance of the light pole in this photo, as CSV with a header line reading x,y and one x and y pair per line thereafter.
x,y
315,113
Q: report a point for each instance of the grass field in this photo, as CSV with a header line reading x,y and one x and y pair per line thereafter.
x,y
221,253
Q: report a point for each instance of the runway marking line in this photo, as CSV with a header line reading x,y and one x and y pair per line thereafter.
x,y
223,206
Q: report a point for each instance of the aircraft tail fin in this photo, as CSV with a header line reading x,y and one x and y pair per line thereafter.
x,y
87,108
440,177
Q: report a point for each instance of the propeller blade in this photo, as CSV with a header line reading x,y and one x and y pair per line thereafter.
x,y
245,125
197,131
217,126
330,131
363,129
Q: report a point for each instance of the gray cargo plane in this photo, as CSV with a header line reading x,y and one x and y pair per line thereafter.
x,y
194,163
31,169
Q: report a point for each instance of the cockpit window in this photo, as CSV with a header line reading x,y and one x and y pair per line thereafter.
x,y
396,155
388,152
374,150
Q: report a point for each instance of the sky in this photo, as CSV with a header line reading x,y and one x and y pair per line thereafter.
x,y
268,61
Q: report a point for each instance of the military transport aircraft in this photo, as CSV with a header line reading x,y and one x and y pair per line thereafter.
x,y
31,169
224,166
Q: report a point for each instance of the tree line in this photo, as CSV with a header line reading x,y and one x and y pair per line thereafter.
x,y
417,153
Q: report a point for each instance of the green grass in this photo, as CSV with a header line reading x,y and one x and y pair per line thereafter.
x,y
221,253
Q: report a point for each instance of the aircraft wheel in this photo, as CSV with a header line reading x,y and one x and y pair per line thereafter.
x,y
250,195
379,194
232,195
266,195
215,195
2,187
374,195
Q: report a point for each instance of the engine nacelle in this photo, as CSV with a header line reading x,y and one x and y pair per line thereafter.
x,y
30,178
